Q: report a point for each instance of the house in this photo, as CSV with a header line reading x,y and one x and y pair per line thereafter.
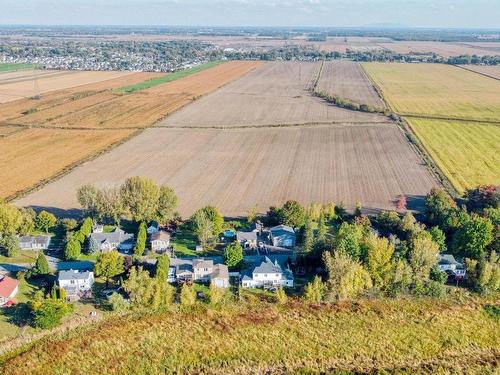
x,y
153,228
76,283
220,276
199,269
202,269
117,239
267,274
160,241
248,240
447,263
283,236
8,290
98,228
34,242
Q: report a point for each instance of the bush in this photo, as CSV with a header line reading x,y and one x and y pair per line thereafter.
x,y
281,297
435,289
118,303
188,296
49,312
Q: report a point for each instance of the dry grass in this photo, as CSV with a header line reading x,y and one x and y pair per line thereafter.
x,y
467,153
274,94
348,80
437,90
404,336
490,71
46,83
236,169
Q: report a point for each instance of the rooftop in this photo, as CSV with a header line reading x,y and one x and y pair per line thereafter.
x,y
7,286
74,275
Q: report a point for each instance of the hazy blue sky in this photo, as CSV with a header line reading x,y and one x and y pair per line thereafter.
x,y
421,13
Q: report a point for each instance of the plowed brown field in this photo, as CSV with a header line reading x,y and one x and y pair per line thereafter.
x,y
237,169
85,114
277,93
347,79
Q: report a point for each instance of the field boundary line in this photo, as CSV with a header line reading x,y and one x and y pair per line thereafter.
x,y
444,118
475,71
378,90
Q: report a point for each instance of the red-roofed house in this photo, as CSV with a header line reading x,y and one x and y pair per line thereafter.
x,y
8,289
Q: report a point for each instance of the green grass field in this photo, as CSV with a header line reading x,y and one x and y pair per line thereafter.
x,y
7,67
168,77
467,153
387,336
437,90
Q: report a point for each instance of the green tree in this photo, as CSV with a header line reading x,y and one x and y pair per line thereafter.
x,y
41,265
118,303
401,277
203,228
62,294
379,259
329,210
167,203
73,249
252,214
346,277
187,296
45,220
472,237
216,218
233,254
215,294
53,292
10,244
68,225
438,207
438,237
162,267
27,224
293,214
109,265
348,239
358,209
10,218
484,275
140,242
423,254
314,291
140,196
88,196
86,227
48,313
308,236
388,222
322,228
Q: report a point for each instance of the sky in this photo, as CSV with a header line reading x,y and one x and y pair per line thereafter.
x,y
324,13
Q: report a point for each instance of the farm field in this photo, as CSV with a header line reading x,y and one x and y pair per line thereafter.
x,y
380,336
94,109
237,169
277,93
467,153
7,67
33,155
24,88
439,48
490,71
434,90
348,80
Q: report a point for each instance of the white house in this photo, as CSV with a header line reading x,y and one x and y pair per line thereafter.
x,y
283,236
202,269
199,269
8,289
160,241
105,242
34,242
267,274
76,283
447,262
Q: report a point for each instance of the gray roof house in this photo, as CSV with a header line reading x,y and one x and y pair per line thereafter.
x,y
447,262
199,269
75,283
283,236
117,239
267,274
34,242
247,239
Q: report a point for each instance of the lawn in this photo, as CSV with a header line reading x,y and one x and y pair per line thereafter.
x,y
467,153
7,67
185,241
24,256
367,336
168,77
437,90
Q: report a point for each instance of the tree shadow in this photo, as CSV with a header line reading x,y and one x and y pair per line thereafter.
x,y
18,314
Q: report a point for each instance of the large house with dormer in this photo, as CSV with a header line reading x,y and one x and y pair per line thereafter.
x,y
267,274
105,242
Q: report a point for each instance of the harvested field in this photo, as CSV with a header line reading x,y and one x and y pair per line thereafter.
x,y
93,108
490,71
24,88
236,169
277,93
439,48
33,155
434,90
467,153
140,109
347,79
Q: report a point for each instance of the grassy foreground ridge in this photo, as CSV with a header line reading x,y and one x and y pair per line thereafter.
x,y
403,336
169,77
